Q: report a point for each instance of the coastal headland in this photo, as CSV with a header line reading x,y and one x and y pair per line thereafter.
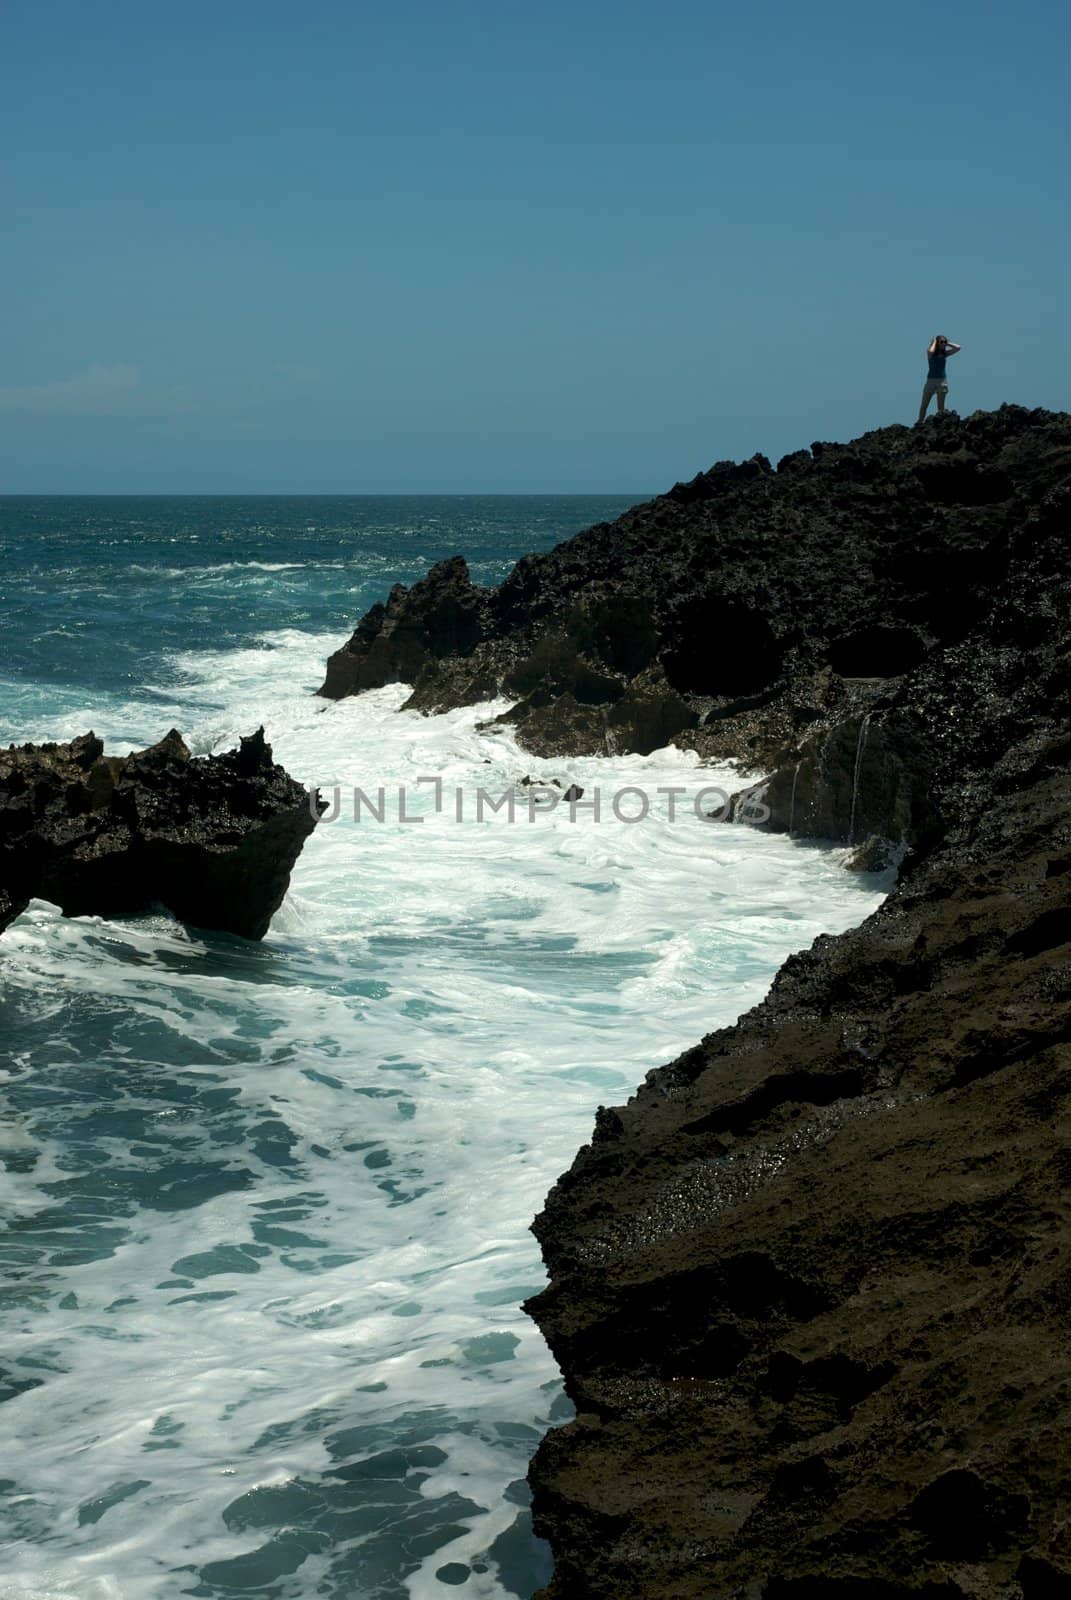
x,y
809,1287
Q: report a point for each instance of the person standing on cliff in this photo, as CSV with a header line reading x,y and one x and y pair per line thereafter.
x,y
937,354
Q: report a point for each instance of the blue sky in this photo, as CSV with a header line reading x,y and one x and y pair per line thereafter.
x,y
513,247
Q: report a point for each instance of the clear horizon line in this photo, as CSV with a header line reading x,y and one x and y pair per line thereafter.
x,y
326,494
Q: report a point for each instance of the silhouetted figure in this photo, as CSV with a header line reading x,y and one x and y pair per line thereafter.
x,y
937,354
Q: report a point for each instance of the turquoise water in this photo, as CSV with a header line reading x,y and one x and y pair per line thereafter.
x,y
267,1205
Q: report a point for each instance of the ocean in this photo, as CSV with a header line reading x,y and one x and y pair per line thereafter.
x,y
266,1206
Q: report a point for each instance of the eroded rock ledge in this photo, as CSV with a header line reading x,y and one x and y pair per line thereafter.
x,y
213,839
810,1287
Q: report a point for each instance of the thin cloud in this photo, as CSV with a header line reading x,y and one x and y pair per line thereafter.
x,y
104,389
101,390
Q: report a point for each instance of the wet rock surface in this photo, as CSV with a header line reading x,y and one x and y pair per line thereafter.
x,y
212,839
811,1287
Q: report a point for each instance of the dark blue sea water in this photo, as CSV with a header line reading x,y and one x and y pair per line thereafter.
x,y
98,591
266,1205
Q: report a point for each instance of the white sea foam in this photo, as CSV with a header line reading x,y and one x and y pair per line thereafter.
x,y
383,1092
214,569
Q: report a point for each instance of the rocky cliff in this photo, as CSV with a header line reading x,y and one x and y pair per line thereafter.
x,y
212,839
811,1288
749,614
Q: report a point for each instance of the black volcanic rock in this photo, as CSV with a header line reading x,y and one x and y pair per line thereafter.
x,y
443,615
811,1287
212,839
741,613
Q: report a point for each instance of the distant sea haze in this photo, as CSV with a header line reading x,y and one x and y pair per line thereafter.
x,y
268,1205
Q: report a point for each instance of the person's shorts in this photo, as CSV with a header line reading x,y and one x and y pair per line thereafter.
x,y
935,386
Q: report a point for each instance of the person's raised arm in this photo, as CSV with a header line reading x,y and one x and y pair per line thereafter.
x,y
931,348
952,349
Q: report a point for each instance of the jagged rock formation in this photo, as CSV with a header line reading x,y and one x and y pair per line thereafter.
x,y
213,839
810,1287
753,614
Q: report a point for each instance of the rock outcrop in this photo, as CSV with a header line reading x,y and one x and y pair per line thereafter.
x,y
811,1288
442,617
212,839
752,614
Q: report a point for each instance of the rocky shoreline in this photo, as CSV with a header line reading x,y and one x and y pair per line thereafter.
x,y
211,839
809,1288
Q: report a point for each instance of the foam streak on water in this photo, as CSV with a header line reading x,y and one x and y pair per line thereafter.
x,y
271,1202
